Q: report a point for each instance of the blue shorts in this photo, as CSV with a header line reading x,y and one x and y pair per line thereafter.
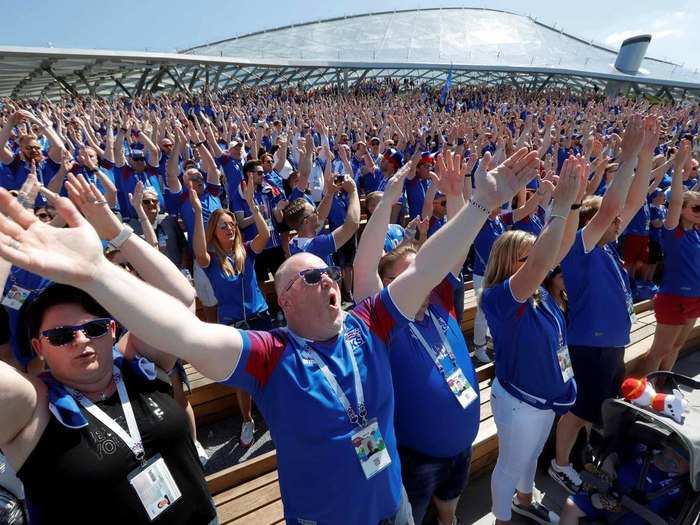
x,y
599,372
426,476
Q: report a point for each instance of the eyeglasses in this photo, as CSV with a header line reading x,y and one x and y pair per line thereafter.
x,y
197,178
227,226
43,216
150,201
312,276
441,203
64,335
696,208
259,172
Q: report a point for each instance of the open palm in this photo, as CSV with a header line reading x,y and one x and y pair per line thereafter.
x,y
500,184
67,255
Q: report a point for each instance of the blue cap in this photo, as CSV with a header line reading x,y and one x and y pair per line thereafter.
x,y
394,156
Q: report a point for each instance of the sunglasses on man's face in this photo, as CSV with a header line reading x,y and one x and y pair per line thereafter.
x,y
64,335
696,208
197,178
312,276
149,202
43,216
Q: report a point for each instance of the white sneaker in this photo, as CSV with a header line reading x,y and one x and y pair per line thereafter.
x,y
201,452
247,433
481,355
566,476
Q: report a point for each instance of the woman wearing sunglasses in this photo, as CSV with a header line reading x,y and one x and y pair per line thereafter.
x,y
96,423
677,305
534,380
229,263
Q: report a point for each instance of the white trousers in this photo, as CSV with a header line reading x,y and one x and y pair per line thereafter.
x,y
522,432
481,327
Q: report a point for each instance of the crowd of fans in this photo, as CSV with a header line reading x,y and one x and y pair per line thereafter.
x,y
311,249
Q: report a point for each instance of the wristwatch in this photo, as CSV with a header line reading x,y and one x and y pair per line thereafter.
x,y
121,238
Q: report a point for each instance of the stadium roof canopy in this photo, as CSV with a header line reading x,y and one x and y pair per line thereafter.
x,y
479,45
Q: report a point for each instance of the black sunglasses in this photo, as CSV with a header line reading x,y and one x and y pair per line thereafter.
x,y
696,208
64,335
313,276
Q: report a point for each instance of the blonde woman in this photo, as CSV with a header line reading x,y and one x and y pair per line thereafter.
x,y
230,266
534,380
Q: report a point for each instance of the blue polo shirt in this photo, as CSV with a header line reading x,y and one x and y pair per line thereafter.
x,y
415,195
13,175
233,169
238,295
181,202
490,231
598,289
372,181
681,249
266,197
639,225
320,476
526,341
35,284
656,213
533,223
435,224
126,178
428,417
322,246
339,210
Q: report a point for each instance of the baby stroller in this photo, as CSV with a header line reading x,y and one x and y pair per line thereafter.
x,y
643,434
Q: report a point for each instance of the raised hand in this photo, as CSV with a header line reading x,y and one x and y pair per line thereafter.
x,y
248,190
571,177
194,199
502,183
450,173
90,201
632,139
29,190
25,241
394,186
136,198
652,127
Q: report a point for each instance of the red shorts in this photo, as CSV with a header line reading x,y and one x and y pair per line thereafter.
x,y
635,249
675,309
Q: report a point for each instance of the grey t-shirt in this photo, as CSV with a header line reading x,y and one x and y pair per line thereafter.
x,y
171,239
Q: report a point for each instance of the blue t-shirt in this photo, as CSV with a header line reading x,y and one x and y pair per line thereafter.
x,y
181,202
599,296
233,169
13,175
428,417
372,181
322,246
533,223
32,283
339,210
435,224
320,476
681,249
639,225
238,295
656,213
266,197
490,231
126,178
527,338
415,195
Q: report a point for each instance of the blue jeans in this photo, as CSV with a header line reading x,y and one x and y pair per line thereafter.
x,y
426,476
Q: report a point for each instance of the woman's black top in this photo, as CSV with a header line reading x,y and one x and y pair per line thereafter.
x,y
80,476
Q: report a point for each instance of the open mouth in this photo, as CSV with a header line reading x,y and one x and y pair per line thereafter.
x,y
86,354
333,300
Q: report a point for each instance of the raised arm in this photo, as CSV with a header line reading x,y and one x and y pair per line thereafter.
x,y
366,280
640,185
675,204
437,257
259,242
6,155
136,201
344,232
199,240
542,256
615,196
281,155
172,166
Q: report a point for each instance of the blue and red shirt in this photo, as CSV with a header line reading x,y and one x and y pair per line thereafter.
x,y
322,246
490,231
428,417
320,476
181,202
126,178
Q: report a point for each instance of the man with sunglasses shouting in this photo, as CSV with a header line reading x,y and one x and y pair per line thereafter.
x,y
323,384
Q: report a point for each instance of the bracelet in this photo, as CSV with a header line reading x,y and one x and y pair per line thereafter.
x,y
576,206
556,217
479,206
121,238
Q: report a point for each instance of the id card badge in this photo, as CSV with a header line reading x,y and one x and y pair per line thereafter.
x,y
16,297
567,371
155,486
162,240
370,449
461,388
630,310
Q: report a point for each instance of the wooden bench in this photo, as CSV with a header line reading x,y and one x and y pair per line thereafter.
x,y
249,493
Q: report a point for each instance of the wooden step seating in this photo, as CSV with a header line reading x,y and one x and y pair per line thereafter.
x,y
249,493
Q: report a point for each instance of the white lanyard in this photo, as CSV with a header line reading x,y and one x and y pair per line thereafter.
x,y
133,437
560,329
358,418
446,347
628,297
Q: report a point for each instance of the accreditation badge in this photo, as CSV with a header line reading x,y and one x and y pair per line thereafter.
x,y
370,449
461,388
155,486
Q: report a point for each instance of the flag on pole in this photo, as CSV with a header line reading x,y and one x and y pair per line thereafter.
x,y
446,87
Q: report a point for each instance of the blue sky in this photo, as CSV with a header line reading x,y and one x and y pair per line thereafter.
x,y
177,24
